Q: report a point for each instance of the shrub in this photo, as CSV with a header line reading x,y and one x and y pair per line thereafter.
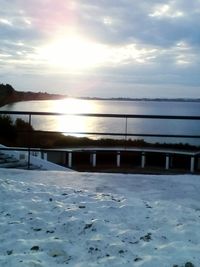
x,y
7,128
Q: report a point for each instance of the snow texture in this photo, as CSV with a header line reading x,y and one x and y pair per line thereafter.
x,y
50,219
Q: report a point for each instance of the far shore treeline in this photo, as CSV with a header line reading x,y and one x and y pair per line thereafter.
x,y
9,95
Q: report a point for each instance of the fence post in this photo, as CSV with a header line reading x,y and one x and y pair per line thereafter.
x,y
70,159
192,164
94,159
126,131
29,147
143,160
118,159
167,162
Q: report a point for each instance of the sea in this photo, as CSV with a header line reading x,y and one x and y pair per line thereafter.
x,y
79,125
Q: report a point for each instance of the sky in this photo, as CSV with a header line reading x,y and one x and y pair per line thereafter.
x,y
104,48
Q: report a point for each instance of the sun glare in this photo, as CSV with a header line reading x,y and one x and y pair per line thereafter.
x,y
68,123
73,106
73,53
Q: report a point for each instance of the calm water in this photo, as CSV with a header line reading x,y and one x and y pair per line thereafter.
x,y
86,124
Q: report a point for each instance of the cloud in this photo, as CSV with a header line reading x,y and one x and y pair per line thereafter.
x,y
152,43
149,22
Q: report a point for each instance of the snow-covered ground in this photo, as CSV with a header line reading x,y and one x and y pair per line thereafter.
x,y
51,219
35,161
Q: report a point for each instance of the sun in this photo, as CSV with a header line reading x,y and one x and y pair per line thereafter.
x,y
73,53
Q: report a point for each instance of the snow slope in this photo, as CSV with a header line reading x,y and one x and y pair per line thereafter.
x,y
71,219
37,162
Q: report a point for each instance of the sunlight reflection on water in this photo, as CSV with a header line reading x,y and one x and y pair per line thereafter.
x,y
68,123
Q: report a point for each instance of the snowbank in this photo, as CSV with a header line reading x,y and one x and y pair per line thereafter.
x,y
34,160
58,218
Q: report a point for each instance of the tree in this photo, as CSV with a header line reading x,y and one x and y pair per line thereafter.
x,y
7,128
21,125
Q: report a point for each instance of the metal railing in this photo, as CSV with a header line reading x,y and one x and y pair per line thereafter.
x,y
124,133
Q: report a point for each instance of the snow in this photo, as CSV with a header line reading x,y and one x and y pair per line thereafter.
x,y
53,218
35,160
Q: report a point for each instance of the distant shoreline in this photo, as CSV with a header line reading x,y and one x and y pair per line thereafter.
x,y
44,96
140,99
8,95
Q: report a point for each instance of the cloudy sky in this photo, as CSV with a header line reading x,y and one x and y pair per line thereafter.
x,y
107,48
